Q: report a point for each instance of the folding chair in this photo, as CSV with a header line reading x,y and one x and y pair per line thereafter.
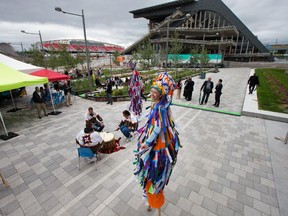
x,y
85,151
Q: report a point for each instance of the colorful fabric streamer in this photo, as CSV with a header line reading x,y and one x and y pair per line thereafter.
x,y
158,145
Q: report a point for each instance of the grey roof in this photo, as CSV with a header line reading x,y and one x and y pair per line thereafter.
x,y
159,12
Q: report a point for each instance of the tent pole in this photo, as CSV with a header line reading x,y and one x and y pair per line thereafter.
x,y
15,109
3,124
52,101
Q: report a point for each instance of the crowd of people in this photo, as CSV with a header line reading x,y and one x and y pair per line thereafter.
x,y
205,90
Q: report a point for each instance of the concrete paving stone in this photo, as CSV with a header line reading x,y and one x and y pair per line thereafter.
x,y
9,172
108,212
253,193
17,212
269,200
9,208
27,173
253,177
245,182
20,188
103,194
220,198
82,210
197,210
120,208
205,191
181,180
224,211
39,190
261,206
203,181
245,199
27,202
114,187
55,209
215,187
193,186
171,197
30,210
238,187
50,203
125,195
209,204
30,179
40,213
183,191
235,206
229,192
172,210
259,187
135,202
45,174
223,181
275,211
219,172
248,211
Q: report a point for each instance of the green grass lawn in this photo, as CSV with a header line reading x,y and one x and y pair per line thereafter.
x,y
273,90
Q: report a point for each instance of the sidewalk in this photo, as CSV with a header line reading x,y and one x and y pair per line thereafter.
x,y
229,165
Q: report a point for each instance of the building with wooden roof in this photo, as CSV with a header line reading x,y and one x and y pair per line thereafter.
x,y
211,24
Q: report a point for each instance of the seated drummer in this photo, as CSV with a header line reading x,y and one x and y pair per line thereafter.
x,y
128,124
89,137
95,118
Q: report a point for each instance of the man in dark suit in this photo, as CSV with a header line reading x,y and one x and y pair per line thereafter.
x,y
218,92
189,87
207,88
39,100
253,81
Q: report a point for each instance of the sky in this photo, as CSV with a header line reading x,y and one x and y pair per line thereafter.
x,y
110,21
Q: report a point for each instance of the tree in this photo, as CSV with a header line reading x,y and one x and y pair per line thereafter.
x,y
144,54
37,55
176,49
204,58
53,59
195,56
115,57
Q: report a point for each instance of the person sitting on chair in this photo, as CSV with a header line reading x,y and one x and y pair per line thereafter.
x,y
90,138
128,124
95,118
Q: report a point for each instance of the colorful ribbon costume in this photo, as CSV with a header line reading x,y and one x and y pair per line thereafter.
x,y
158,144
135,93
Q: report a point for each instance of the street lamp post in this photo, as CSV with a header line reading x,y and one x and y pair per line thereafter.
x,y
58,9
41,42
167,34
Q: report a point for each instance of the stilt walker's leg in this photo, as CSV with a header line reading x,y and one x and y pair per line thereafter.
x,y
5,182
159,211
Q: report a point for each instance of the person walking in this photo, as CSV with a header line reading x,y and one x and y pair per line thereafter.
x,y
218,92
207,88
109,92
189,87
39,100
253,81
178,89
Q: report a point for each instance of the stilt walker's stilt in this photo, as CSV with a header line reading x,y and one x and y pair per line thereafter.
x,y
5,182
159,211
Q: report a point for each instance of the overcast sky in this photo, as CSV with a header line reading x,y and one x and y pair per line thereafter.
x,y
110,21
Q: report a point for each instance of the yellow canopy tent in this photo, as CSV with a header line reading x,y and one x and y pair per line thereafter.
x,y
13,79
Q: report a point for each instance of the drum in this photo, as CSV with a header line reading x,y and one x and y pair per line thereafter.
x,y
109,142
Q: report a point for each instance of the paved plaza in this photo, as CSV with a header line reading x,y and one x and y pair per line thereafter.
x,y
228,166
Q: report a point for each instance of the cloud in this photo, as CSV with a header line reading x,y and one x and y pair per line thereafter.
x,y
110,21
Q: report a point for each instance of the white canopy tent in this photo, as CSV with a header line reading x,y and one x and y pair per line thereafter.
x,y
18,65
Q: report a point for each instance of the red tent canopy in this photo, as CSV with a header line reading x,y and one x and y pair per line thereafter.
x,y
51,75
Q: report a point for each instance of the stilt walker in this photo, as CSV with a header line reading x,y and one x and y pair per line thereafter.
x,y
135,92
158,144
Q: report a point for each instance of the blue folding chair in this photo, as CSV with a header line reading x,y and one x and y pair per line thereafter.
x,y
86,153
